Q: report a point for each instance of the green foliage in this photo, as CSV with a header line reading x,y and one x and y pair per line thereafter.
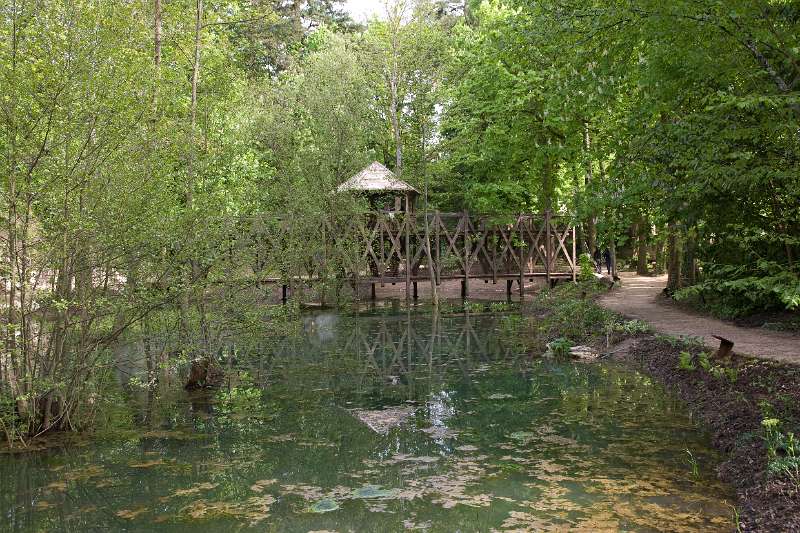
x,y
686,361
633,327
474,307
735,290
690,362
704,361
560,347
783,451
587,270
500,307
572,314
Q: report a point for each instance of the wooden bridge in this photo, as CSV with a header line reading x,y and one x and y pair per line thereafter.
x,y
392,248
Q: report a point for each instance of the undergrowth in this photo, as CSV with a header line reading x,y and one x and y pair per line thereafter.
x,y
569,315
733,291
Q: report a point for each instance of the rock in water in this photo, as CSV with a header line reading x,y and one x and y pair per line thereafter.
x,y
382,420
584,352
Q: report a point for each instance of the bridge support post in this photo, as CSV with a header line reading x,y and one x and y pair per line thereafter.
x,y
416,291
574,254
467,255
509,287
373,295
284,294
523,258
548,245
408,218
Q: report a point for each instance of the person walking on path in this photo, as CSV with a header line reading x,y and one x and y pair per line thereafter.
x,y
607,258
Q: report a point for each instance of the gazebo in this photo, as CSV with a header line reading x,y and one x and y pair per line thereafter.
x,y
378,182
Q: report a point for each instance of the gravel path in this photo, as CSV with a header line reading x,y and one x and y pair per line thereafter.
x,y
641,298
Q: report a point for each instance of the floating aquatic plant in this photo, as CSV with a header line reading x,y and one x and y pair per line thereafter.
x,y
324,506
373,492
499,396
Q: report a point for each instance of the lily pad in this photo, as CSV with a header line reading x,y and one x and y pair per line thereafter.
x,y
368,492
324,506
499,396
131,514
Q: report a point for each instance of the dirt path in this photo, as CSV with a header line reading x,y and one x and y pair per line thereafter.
x,y
640,297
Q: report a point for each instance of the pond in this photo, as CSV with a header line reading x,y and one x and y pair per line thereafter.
x,y
388,421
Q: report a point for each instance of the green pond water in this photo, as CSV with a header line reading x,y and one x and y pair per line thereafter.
x,y
387,421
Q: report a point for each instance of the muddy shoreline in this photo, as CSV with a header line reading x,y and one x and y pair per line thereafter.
x,y
732,409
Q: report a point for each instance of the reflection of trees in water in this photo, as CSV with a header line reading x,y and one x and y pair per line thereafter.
x,y
367,359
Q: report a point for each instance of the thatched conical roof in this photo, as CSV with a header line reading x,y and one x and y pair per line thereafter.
x,y
376,178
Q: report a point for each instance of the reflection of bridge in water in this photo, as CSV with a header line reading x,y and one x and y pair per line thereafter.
x,y
389,349
383,248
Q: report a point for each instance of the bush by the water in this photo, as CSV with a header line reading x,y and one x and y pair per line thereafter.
x,y
573,314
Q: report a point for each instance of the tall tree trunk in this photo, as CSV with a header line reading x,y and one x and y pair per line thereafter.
x,y
689,267
195,269
673,258
658,252
11,372
393,79
642,236
394,112
297,19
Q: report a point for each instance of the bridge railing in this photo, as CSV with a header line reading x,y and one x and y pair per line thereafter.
x,y
385,247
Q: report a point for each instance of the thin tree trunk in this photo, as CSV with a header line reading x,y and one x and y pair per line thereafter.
x,y
398,142
642,236
394,89
196,273
659,252
591,226
297,19
11,230
689,268
673,258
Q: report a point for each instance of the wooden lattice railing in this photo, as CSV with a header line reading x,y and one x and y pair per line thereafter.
x,y
392,247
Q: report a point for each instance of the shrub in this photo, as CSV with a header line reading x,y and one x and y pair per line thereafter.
x,y
587,271
560,347
733,291
633,327
686,361
783,451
